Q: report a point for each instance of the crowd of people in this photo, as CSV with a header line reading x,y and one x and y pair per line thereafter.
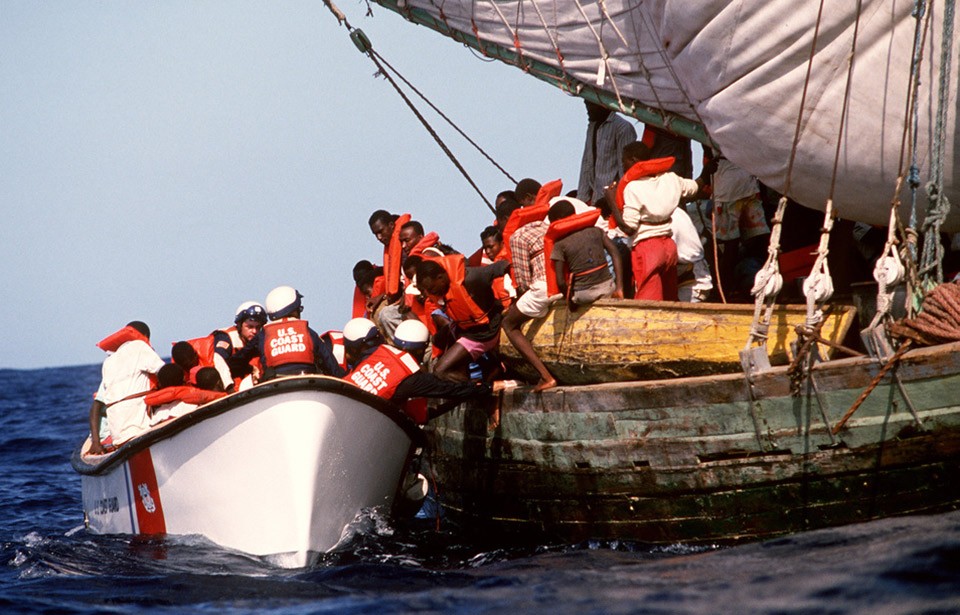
x,y
427,320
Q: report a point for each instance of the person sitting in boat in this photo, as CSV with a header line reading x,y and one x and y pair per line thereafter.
x,y
533,301
126,376
646,197
174,398
394,372
466,296
491,242
197,353
578,263
607,135
369,284
287,344
228,343
386,227
414,241
526,191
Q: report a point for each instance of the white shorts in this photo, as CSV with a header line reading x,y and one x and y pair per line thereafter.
x,y
535,303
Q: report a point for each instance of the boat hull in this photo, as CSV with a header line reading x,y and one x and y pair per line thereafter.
x,y
695,460
622,341
278,471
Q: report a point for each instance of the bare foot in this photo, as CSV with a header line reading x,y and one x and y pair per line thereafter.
x,y
543,385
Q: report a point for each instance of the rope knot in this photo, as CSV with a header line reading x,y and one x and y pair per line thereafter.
x,y
914,177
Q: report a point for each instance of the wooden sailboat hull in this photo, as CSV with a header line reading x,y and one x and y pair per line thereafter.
x,y
621,341
693,460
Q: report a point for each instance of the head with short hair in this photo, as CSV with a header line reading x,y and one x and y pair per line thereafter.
x,y
432,279
526,191
560,210
491,239
170,375
596,112
506,195
381,225
366,281
504,209
410,235
633,153
410,265
208,379
184,355
140,326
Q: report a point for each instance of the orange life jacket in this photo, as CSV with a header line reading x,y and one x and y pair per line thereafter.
x,y
205,349
335,339
392,257
526,215
287,341
460,306
644,168
118,338
185,393
428,241
559,230
383,371
359,303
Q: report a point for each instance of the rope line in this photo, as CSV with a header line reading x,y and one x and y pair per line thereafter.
x,y
448,120
931,263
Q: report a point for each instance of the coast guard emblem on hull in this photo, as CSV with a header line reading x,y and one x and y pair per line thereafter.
x,y
146,498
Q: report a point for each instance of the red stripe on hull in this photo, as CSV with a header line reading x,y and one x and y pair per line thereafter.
x,y
146,494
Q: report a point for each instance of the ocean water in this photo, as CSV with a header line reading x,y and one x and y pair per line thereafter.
x,y
52,565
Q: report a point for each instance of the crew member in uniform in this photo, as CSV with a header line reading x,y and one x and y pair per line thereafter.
x,y
287,344
394,373
228,343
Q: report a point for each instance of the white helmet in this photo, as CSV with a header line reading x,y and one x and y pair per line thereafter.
x,y
359,330
411,335
250,310
283,301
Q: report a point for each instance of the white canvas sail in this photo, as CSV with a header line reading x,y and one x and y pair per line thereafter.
x,y
738,68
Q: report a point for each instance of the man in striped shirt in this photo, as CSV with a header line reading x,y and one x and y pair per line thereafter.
x,y
607,135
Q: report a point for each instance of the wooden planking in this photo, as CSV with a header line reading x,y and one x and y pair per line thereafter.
x,y
648,459
619,341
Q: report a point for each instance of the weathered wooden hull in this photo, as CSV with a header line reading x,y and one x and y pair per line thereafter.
x,y
687,460
622,341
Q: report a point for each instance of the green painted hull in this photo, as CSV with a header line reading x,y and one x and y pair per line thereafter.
x,y
686,460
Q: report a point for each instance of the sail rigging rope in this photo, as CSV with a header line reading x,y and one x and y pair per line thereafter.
x,y
768,282
382,65
931,262
448,120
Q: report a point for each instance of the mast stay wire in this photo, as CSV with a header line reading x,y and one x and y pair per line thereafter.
x,y
363,44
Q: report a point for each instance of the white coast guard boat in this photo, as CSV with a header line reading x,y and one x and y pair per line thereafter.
x,y
277,471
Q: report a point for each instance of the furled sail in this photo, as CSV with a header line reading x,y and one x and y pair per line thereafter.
x,y
738,69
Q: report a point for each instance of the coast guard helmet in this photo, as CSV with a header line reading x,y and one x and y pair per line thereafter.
x,y
359,331
250,310
283,301
411,335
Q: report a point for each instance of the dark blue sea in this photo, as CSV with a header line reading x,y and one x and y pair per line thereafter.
x,y
52,565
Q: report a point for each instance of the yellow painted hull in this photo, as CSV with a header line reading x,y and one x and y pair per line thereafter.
x,y
618,340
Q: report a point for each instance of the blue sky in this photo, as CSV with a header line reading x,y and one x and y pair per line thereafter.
x,y
167,161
